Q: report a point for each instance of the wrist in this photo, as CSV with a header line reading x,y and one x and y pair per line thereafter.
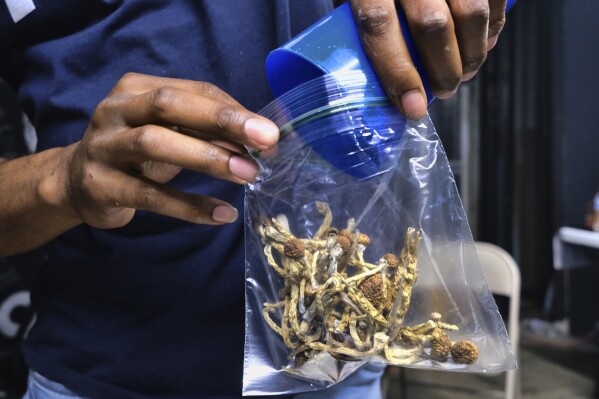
x,y
53,188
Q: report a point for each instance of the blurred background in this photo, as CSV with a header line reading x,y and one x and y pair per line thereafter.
x,y
523,140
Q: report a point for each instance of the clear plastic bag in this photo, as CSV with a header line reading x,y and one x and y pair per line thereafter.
x,y
358,249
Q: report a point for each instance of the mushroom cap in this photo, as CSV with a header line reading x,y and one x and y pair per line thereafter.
x,y
464,352
392,260
441,345
345,233
294,249
344,243
363,239
372,288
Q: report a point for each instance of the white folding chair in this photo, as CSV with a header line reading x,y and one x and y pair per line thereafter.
x,y
503,278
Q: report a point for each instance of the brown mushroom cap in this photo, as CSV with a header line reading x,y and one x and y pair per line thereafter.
x,y
392,260
363,239
372,288
464,352
345,233
344,243
441,345
294,249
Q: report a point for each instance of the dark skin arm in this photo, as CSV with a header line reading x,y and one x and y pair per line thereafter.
x,y
451,36
133,145
31,213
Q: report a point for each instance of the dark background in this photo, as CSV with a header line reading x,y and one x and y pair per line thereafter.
x,y
540,145
534,127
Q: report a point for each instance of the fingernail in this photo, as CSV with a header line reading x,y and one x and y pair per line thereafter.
x,y
263,133
243,168
413,104
467,76
491,42
224,214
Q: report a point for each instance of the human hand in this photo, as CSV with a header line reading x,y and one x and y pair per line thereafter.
x,y
452,38
141,136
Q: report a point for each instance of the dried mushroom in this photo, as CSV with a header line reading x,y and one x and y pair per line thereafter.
x,y
334,301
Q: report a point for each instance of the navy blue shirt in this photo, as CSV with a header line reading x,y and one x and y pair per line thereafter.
x,y
153,309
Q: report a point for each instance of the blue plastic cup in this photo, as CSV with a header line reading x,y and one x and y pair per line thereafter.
x,y
331,48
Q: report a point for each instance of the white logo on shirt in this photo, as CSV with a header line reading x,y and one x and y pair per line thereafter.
x,y
19,9
8,327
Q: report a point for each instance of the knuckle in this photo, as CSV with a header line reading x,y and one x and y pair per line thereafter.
x,y
95,145
210,154
225,116
143,139
496,25
431,23
131,77
102,112
212,159
127,81
374,20
476,12
162,100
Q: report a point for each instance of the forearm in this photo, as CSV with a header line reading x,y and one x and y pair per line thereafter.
x,y
34,200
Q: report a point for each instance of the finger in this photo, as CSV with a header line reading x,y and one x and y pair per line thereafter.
x,y
156,143
229,146
496,21
136,83
169,106
433,31
471,20
206,137
144,194
383,43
